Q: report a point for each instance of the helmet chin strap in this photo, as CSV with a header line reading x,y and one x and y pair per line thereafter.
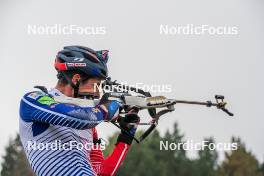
x,y
75,88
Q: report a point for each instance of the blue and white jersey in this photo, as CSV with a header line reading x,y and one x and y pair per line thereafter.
x,y
51,134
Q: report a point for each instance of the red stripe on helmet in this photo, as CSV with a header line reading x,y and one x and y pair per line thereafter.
x,y
60,66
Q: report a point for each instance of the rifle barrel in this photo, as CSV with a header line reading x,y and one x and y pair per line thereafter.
x,y
208,103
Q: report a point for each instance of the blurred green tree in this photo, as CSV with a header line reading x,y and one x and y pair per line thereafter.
x,y
239,162
14,161
206,163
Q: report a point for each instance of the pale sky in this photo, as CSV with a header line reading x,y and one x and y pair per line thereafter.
x,y
197,66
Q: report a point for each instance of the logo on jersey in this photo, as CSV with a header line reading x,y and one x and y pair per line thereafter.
x,y
35,95
46,100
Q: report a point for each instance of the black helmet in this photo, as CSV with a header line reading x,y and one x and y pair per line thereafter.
x,y
82,59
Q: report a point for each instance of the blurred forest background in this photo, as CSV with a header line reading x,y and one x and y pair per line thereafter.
x,y
147,159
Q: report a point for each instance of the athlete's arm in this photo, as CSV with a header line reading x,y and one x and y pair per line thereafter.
x,y
41,107
96,156
110,165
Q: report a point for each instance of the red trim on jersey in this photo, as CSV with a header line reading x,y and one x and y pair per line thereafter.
x,y
108,166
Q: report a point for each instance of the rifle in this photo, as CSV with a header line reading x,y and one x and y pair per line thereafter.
x,y
143,100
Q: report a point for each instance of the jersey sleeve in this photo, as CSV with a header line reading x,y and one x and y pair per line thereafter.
x,y
110,165
41,107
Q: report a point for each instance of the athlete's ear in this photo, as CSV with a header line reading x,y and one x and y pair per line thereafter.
x,y
76,78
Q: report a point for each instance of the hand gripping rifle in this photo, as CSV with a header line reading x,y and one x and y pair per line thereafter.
x,y
144,100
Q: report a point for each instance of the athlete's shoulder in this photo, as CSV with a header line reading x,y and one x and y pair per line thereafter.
x,y
38,97
32,100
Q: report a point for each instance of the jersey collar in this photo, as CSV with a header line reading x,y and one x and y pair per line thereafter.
x,y
55,92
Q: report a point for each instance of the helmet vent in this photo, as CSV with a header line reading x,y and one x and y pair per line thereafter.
x,y
68,54
91,57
